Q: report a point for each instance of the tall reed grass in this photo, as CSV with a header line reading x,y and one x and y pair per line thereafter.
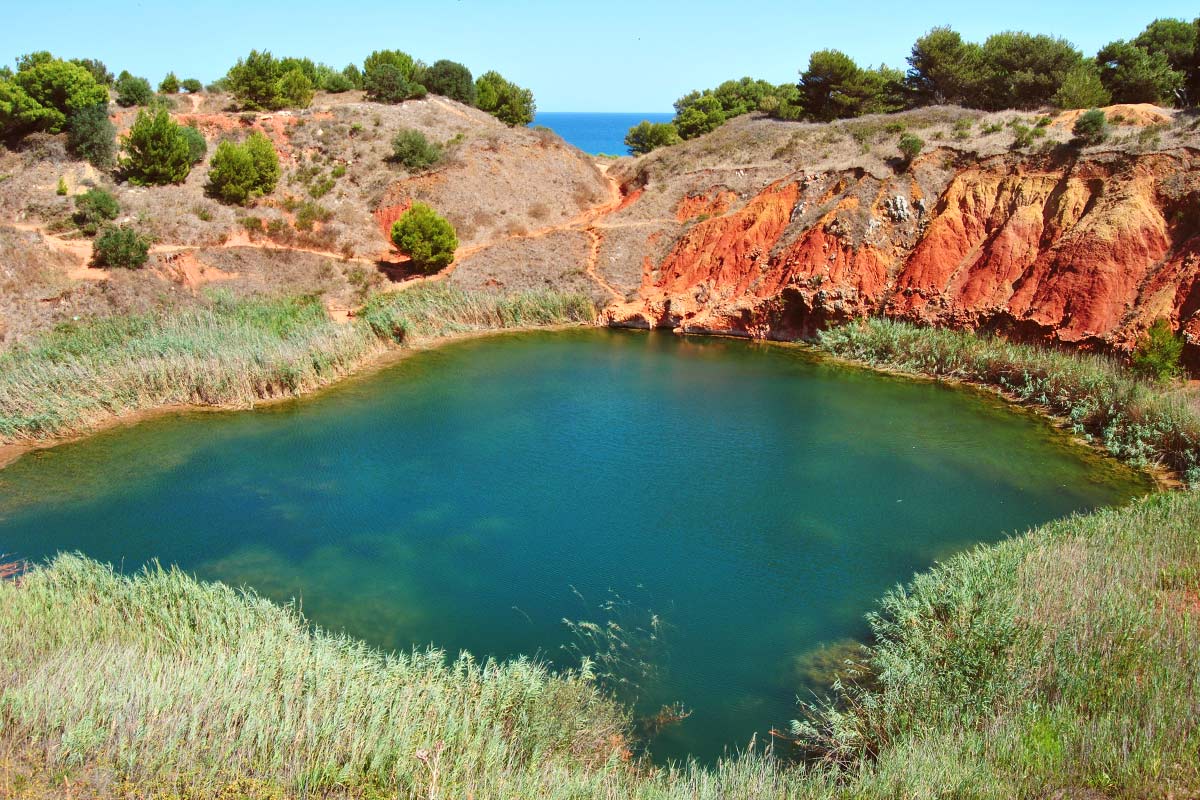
x,y
1136,420
1063,662
233,352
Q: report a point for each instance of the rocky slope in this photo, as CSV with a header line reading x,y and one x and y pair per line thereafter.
x,y
765,229
496,184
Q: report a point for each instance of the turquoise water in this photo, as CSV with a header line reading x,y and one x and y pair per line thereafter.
x,y
755,498
595,132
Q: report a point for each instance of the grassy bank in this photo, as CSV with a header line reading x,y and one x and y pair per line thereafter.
x,y
233,352
1137,421
1064,660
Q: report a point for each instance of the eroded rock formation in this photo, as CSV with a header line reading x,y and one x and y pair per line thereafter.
x,y
1081,250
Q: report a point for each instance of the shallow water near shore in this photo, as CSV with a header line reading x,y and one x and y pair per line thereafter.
x,y
755,498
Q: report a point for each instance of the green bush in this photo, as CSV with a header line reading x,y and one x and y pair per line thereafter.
x,y
197,144
43,93
428,239
92,136
386,83
133,91
910,146
60,188
241,173
296,89
1082,88
336,83
156,150
1091,127
170,84
504,100
414,151
398,60
254,82
121,247
98,70
93,209
647,136
450,79
192,85
1158,353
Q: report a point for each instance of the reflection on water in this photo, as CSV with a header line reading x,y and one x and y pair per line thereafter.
x,y
756,498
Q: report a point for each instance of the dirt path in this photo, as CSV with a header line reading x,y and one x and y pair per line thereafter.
x,y
79,250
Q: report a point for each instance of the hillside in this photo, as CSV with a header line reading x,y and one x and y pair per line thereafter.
x,y
323,231
775,229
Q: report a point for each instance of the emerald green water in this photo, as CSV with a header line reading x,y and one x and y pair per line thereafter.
x,y
755,497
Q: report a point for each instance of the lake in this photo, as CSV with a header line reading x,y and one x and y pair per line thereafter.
x,y
595,132
731,506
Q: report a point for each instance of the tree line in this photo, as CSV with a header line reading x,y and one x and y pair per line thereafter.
x,y
45,93
1012,69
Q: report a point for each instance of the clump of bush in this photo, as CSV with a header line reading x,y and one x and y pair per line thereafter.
x,y
93,209
427,238
157,151
450,79
504,100
240,173
414,151
133,91
192,85
910,147
197,144
262,82
388,84
169,84
43,93
121,247
1158,353
1091,127
92,136
647,136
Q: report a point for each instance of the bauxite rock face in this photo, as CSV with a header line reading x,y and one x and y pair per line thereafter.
x,y
1082,251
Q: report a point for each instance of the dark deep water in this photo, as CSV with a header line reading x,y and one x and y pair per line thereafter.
x,y
755,498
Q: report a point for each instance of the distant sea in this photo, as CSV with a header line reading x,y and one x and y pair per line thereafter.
x,y
596,132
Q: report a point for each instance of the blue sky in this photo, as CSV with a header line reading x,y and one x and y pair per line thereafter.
x,y
613,56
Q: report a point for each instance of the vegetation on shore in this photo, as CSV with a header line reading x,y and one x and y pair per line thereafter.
x,y
984,681
234,352
1134,419
1012,69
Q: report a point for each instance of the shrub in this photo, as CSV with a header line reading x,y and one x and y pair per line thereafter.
x,y
428,239
296,89
336,83
398,60
192,85
1082,88
647,136
414,151
1091,127
450,79
94,208
910,147
92,136
156,150
309,212
133,91
121,247
170,84
98,70
61,188
197,144
386,83
240,173
43,93
504,100
1158,352
254,81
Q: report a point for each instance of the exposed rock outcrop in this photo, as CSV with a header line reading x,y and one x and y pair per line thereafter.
x,y
1081,249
